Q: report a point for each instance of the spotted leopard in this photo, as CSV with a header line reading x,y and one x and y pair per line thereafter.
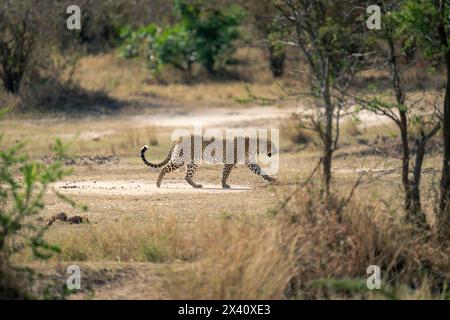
x,y
188,151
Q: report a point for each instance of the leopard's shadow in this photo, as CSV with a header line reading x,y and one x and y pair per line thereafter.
x,y
211,188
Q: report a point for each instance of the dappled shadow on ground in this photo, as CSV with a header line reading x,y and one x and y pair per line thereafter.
x,y
72,100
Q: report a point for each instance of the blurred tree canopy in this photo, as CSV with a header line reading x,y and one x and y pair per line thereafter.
x,y
23,26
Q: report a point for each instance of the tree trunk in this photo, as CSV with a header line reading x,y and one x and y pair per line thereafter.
x,y
444,210
328,151
403,126
11,81
414,213
419,217
405,163
328,134
188,73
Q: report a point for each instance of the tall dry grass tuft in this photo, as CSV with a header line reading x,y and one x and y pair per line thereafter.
x,y
136,138
13,284
245,261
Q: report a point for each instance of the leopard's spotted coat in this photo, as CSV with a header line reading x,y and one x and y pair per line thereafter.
x,y
177,156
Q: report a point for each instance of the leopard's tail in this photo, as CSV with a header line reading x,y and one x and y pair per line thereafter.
x,y
155,165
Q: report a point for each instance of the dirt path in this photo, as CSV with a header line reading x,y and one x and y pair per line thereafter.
x,y
137,188
214,117
217,117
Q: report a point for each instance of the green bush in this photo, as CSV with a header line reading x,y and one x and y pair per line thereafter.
x,y
214,31
136,42
201,36
177,48
23,185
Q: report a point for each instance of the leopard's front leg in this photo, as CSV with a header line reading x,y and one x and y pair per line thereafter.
x,y
225,174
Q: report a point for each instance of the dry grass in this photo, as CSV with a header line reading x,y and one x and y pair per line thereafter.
x,y
157,240
13,284
351,128
112,136
131,81
308,251
248,262
339,246
293,137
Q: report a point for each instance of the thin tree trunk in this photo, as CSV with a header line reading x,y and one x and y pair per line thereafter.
x,y
405,163
415,187
415,213
328,134
419,217
188,72
403,126
328,151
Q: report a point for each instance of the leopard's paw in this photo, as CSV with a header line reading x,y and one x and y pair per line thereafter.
x,y
271,179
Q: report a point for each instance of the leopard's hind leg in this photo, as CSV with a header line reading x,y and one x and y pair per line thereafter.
x,y
191,167
171,166
256,169
225,174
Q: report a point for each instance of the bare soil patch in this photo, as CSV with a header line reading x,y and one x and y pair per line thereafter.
x,y
214,117
141,187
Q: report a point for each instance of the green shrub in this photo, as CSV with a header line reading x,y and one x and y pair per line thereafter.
x,y
23,185
201,36
214,32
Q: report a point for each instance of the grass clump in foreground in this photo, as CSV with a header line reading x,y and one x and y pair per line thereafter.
x,y
157,240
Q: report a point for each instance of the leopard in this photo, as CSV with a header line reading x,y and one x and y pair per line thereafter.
x,y
189,150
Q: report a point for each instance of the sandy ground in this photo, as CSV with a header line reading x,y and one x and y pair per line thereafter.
x,y
138,188
215,117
